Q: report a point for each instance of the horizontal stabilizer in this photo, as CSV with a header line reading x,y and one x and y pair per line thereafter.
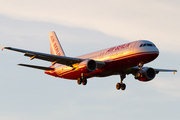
x,y
37,67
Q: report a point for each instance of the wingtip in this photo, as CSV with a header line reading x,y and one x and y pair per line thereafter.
x,y
174,71
2,48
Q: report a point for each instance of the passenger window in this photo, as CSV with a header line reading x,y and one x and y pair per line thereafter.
x,y
144,45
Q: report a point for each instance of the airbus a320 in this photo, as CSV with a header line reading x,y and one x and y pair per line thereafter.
x,y
118,60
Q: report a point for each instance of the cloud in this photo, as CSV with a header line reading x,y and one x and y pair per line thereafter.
x,y
130,20
169,87
42,97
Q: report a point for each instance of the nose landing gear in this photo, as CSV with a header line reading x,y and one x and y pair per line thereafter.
x,y
121,86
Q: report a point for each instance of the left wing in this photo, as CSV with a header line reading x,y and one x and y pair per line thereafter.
x,y
69,61
164,70
135,69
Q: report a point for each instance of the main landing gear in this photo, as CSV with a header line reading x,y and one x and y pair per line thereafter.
x,y
82,80
121,85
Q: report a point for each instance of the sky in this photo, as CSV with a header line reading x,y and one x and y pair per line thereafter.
x,y
83,27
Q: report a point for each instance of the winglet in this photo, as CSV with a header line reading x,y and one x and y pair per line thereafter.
x,y
2,48
174,71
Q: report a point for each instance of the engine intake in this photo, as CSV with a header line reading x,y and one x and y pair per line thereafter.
x,y
87,66
146,74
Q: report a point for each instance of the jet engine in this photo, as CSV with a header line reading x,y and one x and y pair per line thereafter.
x,y
87,66
145,74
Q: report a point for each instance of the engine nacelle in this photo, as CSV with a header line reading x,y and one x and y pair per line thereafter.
x,y
146,74
87,66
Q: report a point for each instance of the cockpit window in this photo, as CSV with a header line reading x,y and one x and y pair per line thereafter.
x,y
141,45
149,45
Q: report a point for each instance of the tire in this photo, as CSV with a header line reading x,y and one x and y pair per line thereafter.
x,y
123,86
84,82
79,81
118,86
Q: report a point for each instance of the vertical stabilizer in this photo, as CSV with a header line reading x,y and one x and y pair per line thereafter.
x,y
55,45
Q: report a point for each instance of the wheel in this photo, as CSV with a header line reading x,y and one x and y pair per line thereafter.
x,y
79,81
84,82
118,86
123,86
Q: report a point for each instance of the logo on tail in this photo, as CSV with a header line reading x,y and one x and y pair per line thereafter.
x,y
55,45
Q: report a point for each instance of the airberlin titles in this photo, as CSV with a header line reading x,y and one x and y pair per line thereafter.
x,y
116,48
55,46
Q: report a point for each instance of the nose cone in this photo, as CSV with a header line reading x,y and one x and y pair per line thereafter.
x,y
151,50
147,48
157,50
156,53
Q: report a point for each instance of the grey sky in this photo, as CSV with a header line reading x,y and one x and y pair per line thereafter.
x,y
83,27
143,19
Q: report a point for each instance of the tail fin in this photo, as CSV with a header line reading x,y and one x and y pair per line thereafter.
x,y
55,45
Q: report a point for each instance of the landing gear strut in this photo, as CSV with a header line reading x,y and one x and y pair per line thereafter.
x,y
140,65
121,85
82,80
139,74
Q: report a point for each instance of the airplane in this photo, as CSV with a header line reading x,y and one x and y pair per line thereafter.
x,y
120,60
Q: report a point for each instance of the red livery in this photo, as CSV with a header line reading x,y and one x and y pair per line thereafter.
x,y
119,60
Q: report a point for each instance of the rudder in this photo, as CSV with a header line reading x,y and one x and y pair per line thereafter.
x,y
55,46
